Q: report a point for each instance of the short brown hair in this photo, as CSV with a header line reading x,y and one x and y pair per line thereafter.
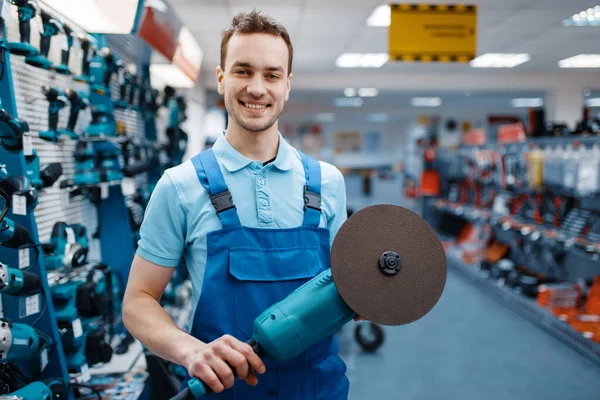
x,y
254,22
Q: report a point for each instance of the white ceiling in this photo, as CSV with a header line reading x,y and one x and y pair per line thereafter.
x,y
323,29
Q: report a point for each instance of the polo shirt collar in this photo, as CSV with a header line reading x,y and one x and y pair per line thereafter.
x,y
233,160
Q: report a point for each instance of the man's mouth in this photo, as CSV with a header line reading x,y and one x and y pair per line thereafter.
x,y
254,106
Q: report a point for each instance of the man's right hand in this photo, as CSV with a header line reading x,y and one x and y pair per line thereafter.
x,y
212,363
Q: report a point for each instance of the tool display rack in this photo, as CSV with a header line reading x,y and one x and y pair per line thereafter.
x,y
21,97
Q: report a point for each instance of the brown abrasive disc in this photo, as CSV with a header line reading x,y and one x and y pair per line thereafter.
x,y
388,265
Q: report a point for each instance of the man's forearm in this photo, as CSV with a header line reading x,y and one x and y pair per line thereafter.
x,y
148,322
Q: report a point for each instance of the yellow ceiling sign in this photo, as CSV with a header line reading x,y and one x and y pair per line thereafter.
x,y
433,33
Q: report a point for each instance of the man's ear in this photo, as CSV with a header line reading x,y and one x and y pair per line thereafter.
x,y
220,76
289,86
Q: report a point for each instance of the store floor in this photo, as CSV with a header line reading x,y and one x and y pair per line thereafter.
x,y
469,346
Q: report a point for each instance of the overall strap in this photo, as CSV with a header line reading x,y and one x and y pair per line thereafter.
x,y
210,176
312,191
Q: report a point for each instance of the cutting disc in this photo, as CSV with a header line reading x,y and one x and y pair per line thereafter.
x,y
388,265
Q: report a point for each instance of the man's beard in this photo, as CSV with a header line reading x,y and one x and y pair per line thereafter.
x,y
232,111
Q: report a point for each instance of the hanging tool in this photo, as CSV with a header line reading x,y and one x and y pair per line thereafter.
x,y
18,283
108,159
78,101
68,246
88,50
86,170
56,102
52,27
124,78
33,391
21,185
27,9
13,235
102,69
387,265
63,68
11,131
20,341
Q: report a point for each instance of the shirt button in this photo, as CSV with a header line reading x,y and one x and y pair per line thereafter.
x,y
265,202
260,182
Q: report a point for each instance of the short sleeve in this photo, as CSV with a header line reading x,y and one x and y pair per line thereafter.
x,y
162,234
341,213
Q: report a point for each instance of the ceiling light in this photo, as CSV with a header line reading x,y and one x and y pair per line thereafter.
x,y
106,16
378,117
381,16
527,103
368,92
348,102
426,101
581,61
499,60
589,17
357,60
169,74
594,102
325,117
350,92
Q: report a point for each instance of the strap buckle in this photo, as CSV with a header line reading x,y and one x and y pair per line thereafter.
x,y
312,200
222,201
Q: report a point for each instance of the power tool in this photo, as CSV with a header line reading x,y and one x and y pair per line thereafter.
x,y
32,391
387,265
18,283
79,101
86,170
102,68
63,68
11,131
20,341
88,50
56,102
103,122
108,159
21,185
68,246
27,9
13,235
52,26
3,48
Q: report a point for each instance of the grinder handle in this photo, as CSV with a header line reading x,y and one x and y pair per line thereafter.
x,y
196,389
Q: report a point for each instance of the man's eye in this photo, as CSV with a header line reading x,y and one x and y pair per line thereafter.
x,y
241,72
273,76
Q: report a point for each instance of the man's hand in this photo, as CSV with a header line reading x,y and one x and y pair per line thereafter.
x,y
212,363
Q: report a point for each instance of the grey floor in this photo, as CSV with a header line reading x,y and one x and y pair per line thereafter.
x,y
469,346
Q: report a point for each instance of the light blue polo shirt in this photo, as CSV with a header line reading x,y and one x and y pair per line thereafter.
x,y
180,214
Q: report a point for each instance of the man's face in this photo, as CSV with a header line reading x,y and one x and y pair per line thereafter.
x,y
255,81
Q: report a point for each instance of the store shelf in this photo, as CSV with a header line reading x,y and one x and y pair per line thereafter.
x,y
528,308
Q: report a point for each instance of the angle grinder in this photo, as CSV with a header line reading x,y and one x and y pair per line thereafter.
x,y
387,265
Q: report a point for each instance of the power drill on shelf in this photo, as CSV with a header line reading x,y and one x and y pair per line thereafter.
x,y
56,102
88,50
79,102
18,283
27,9
63,68
20,341
52,27
21,185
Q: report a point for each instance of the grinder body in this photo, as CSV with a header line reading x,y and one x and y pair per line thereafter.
x,y
286,329
33,391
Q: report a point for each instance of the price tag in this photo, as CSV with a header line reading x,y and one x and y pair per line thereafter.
x,y
7,12
19,205
28,145
85,374
44,358
1,308
32,305
77,329
23,258
104,192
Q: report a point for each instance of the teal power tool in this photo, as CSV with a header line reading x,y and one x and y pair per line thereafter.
x,y
27,9
103,123
52,27
387,265
13,235
68,246
11,131
21,185
32,391
102,68
86,170
63,68
108,159
56,102
20,341
18,283
79,102
88,50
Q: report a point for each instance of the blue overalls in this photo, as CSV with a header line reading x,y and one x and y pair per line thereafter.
x,y
250,269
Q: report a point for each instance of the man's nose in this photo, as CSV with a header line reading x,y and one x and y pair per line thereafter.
x,y
257,86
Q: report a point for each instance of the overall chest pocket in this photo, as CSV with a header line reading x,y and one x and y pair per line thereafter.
x,y
263,277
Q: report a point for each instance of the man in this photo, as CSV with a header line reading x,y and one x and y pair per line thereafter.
x,y
237,215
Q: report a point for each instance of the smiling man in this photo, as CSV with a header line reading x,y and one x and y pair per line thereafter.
x,y
253,219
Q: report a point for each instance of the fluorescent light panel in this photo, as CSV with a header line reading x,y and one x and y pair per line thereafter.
x,y
348,102
324,117
499,60
426,101
581,61
378,117
381,16
358,60
589,17
527,103
362,92
593,102
168,74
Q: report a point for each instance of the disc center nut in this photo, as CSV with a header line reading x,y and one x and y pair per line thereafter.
x,y
389,263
